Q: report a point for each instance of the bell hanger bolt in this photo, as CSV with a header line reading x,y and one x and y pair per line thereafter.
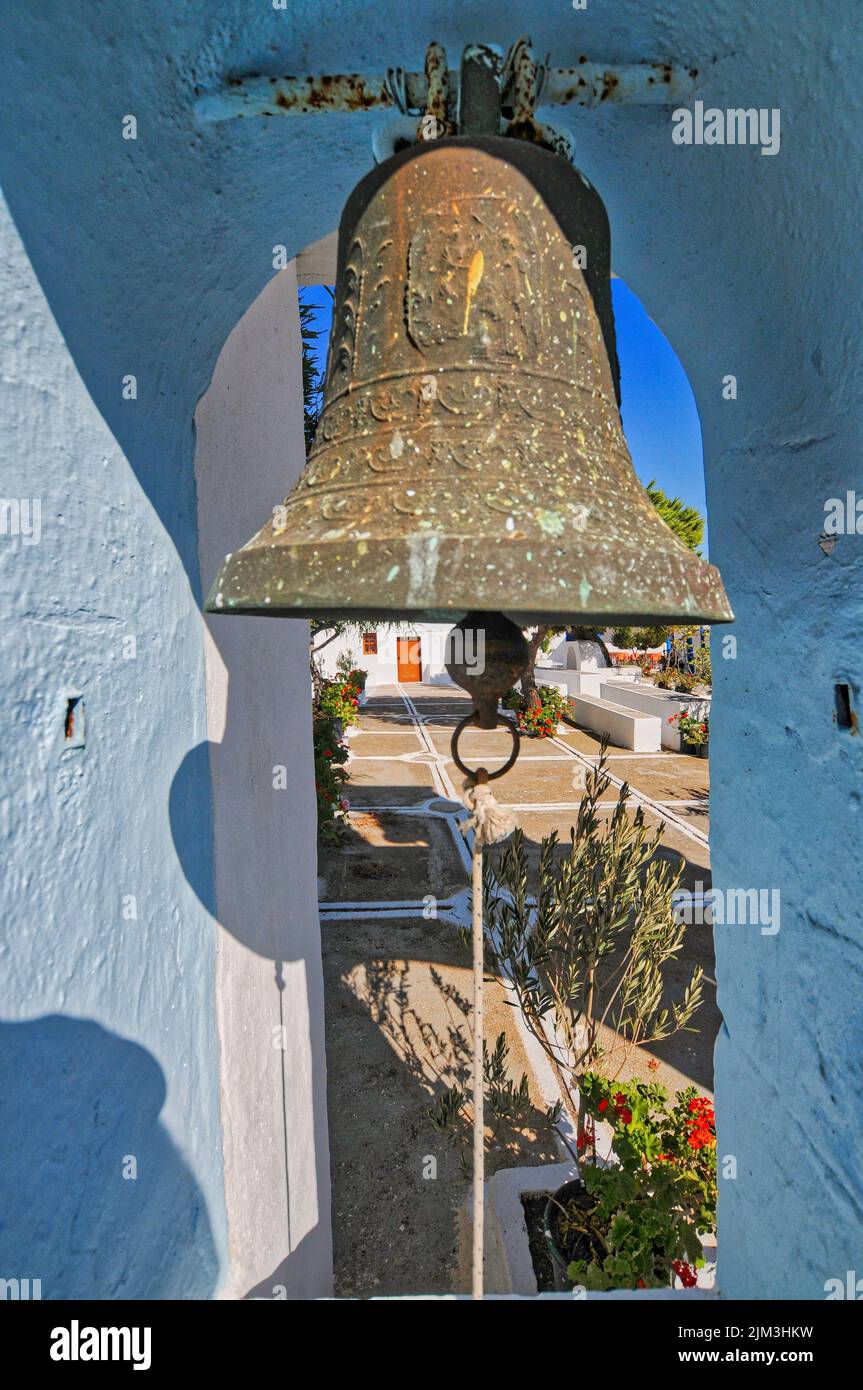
x,y
525,83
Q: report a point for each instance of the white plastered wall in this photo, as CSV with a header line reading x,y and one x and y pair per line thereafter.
x,y
382,667
269,987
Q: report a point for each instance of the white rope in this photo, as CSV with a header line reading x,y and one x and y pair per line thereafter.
x,y
490,823
478,1097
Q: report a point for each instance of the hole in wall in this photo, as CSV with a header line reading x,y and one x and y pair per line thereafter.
x,y
73,723
846,716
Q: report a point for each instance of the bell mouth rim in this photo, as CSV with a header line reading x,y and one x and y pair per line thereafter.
x,y
295,603
662,584
522,618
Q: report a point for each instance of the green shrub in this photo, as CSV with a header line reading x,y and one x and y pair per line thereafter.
x,y
335,703
339,700
639,638
685,682
592,941
702,664
330,756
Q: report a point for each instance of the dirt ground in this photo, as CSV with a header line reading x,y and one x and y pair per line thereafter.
x,y
398,985
398,1030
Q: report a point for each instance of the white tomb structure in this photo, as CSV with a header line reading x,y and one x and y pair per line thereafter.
x,y
581,666
582,671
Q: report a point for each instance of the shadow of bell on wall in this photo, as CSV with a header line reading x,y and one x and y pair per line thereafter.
x,y
95,1200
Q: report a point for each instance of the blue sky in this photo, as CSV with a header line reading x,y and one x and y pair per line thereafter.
x,y
659,414
658,408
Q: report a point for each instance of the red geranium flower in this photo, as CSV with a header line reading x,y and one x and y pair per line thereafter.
x,y
685,1273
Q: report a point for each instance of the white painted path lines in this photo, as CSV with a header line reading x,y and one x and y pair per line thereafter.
x,y
438,766
641,799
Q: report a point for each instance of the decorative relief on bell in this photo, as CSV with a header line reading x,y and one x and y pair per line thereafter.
x,y
450,297
344,332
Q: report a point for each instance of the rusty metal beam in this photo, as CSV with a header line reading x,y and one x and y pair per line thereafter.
x,y
593,84
587,84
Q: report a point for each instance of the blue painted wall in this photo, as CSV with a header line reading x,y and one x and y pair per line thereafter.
x,y
110,1142
150,250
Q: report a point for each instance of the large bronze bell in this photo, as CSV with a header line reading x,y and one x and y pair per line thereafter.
x,y
470,454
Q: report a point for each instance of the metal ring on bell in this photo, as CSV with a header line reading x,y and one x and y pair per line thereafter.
x,y
481,774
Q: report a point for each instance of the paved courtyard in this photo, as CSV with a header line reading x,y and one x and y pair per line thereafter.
x,y
393,896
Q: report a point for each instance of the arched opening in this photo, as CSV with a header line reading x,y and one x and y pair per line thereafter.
x,y
394,877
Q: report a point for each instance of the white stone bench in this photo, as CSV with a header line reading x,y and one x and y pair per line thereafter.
x,y
581,682
626,727
664,703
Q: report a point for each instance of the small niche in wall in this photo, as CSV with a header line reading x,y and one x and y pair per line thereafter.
x,y
846,715
74,722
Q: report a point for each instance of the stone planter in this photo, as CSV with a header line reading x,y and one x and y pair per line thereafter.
x,y
559,1259
508,1264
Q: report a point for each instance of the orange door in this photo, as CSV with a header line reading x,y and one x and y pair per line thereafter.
x,y
409,658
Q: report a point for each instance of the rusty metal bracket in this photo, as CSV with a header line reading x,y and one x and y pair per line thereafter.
x,y
523,79
479,91
587,84
436,122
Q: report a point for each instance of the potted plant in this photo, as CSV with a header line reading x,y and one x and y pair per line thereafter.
x,y
634,1219
684,682
570,1230
338,700
537,714
694,733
